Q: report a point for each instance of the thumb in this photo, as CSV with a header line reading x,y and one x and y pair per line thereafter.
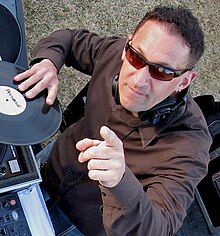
x,y
110,138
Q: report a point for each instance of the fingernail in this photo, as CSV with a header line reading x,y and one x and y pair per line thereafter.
x,y
21,87
49,101
28,94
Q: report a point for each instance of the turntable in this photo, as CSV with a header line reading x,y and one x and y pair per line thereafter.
x,y
23,122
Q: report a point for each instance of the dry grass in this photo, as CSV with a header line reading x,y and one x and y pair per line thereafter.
x,y
119,17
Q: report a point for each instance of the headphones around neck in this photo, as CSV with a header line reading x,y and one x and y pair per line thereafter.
x,y
161,112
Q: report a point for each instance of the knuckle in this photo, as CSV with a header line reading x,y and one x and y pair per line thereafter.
x,y
32,92
23,84
91,153
51,74
44,83
32,70
34,78
27,73
86,139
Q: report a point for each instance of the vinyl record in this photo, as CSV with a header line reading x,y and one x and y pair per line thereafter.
x,y
24,121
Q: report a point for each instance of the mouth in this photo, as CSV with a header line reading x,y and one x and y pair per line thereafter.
x,y
135,92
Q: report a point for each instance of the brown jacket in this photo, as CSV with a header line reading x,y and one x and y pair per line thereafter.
x,y
164,162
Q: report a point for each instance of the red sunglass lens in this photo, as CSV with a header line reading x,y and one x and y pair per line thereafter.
x,y
159,75
134,59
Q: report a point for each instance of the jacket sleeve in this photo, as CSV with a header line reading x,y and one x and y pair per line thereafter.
x,y
156,209
77,48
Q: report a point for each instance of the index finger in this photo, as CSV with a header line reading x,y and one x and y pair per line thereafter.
x,y
23,75
111,139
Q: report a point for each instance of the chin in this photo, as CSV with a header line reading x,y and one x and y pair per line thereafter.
x,y
137,106
133,107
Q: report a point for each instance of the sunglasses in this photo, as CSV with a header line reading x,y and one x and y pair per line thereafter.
x,y
156,71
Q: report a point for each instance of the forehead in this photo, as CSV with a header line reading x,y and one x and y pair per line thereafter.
x,y
159,45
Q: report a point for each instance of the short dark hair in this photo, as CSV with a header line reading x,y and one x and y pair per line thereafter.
x,y
180,21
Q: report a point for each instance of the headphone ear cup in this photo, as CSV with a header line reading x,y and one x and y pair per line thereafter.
x,y
155,116
160,116
162,111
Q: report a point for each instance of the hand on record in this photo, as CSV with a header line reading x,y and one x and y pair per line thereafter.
x,y
106,162
42,75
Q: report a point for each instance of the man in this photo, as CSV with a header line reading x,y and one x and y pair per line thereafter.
x,y
130,166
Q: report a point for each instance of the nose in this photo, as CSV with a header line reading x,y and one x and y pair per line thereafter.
x,y
142,77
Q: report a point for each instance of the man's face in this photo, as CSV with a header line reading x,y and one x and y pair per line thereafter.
x,y
138,91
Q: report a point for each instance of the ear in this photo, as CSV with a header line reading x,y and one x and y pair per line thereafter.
x,y
130,36
187,80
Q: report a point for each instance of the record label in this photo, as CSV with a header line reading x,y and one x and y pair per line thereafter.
x,y
12,101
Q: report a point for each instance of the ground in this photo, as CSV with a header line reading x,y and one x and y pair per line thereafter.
x,y
119,17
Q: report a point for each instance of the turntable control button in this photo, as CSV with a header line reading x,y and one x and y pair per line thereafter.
x,y
12,229
14,215
13,202
8,218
